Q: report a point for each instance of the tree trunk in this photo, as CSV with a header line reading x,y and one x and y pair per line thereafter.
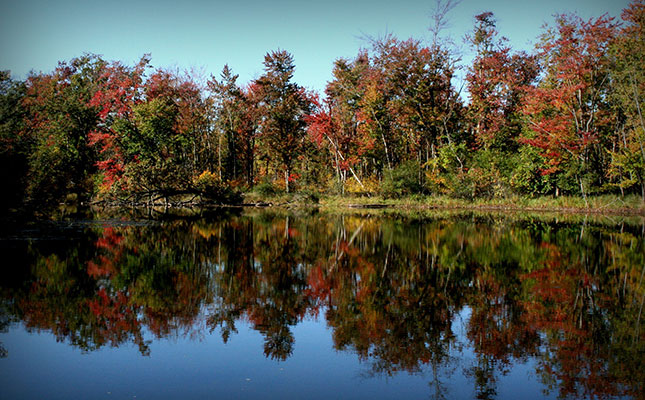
x,y
582,190
286,179
219,155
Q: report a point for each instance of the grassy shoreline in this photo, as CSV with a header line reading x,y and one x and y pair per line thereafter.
x,y
605,204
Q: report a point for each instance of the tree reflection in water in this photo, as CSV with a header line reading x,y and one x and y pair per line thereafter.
x,y
391,288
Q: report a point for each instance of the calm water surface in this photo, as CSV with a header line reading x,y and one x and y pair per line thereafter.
x,y
278,305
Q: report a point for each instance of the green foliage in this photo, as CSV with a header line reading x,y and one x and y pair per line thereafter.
x,y
526,176
482,174
307,196
155,148
14,149
59,119
627,167
236,119
285,105
266,188
628,164
488,174
402,181
442,171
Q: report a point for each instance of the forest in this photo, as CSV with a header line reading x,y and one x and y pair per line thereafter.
x,y
564,119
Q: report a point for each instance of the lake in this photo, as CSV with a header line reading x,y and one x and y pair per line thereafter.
x,y
307,304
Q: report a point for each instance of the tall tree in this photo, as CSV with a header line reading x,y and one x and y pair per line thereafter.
x,y
334,122
121,90
285,105
568,111
14,149
423,103
60,117
496,83
176,128
628,95
237,120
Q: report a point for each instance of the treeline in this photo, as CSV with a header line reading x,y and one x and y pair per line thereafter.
x,y
564,119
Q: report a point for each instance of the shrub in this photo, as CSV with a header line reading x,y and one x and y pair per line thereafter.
x,y
402,181
266,188
307,196
210,187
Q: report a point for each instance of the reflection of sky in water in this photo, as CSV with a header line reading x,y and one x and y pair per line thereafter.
x,y
202,366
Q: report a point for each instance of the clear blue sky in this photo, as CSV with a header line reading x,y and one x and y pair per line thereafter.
x,y
36,34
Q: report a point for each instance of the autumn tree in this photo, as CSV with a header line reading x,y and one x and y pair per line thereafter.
x,y
387,114
14,147
120,91
170,124
237,119
285,105
496,83
250,130
60,117
423,103
334,123
568,111
154,135
628,94
143,147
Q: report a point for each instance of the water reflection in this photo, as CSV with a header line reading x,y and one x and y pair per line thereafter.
x,y
567,295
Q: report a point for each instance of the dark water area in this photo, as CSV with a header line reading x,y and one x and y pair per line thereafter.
x,y
272,304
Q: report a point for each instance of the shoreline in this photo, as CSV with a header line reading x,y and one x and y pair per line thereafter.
x,y
601,205
509,208
607,205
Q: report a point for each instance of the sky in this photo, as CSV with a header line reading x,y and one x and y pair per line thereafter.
x,y
203,36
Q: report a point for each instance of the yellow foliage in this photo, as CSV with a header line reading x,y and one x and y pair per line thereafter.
x,y
371,184
206,178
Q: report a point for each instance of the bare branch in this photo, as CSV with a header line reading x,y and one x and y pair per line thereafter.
x,y
439,18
